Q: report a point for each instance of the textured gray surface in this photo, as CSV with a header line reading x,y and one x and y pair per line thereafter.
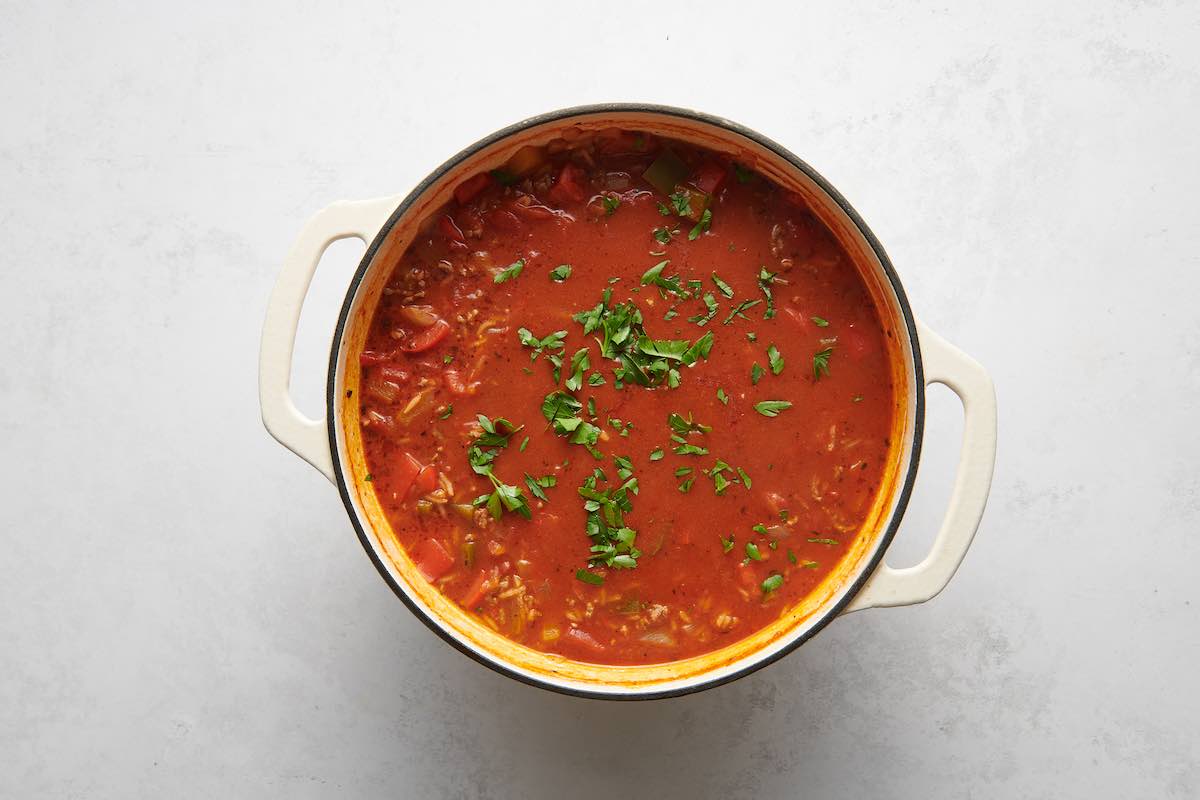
x,y
184,610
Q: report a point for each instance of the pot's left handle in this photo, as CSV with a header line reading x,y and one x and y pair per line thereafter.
x,y
305,437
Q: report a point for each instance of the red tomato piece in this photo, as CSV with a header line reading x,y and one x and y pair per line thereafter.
x,y
369,358
709,176
450,230
426,339
570,186
432,559
426,481
407,469
466,191
475,591
505,221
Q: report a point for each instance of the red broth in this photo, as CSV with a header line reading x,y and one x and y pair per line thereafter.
x,y
709,465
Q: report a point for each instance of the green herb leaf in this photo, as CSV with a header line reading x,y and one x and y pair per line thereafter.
x,y
823,541
820,323
740,309
745,478
589,577
710,303
447,412
662,235
756,373
772,583
703,225
821,362
727,544
537,485
775,360
724,398
752,552
765,279
722,286
524,444
771,408
611,203
681,203
560,273
579,364
656,455
510,272
686,486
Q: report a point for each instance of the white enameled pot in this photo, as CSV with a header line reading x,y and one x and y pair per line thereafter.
x,y
862,580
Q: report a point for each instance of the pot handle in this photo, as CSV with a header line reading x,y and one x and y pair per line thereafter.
x,y
305,437
946,364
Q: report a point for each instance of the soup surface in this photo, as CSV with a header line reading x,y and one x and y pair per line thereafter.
x,y
625,400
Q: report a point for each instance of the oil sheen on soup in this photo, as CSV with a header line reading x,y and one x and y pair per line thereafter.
x,y
625,400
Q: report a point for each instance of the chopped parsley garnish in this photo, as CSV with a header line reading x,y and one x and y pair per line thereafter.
x,y
710,303
821,362
740,310
612,541
724,398
447,412
820,323
685,425
823,541
579,364
752,552
656,454
368,477
643,361
759,528
595,379
537,485
553,341
756,373
446,359
560,273
772,583
722,286
624,467
681,471
791,556
589,577
745,478
686,486
611,203
481,455
765,279
663,235
727,544
662,209
681,204
703,225
774,359
771,408
510,272
524,444
752,336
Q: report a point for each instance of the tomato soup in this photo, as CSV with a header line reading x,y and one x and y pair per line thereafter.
x,y
625,400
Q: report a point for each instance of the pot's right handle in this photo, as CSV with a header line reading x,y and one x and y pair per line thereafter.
x,y
305,437
946,364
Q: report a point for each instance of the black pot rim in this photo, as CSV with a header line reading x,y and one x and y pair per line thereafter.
x,y
902,496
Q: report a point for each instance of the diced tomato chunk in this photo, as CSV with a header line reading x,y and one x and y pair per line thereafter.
x,y
570,186
369,358
426,339
475,591
450,229
468,189
709,176
432,559
426,481
407,469
457,386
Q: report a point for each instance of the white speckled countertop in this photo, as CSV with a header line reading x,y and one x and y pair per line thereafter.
x,y
184,610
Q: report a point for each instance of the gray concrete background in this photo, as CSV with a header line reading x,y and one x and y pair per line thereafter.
x,y
184,610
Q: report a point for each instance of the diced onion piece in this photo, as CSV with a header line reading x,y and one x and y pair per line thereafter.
x,y
658,638
421,316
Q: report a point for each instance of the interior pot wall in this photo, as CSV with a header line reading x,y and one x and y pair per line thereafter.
x,y
416,215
